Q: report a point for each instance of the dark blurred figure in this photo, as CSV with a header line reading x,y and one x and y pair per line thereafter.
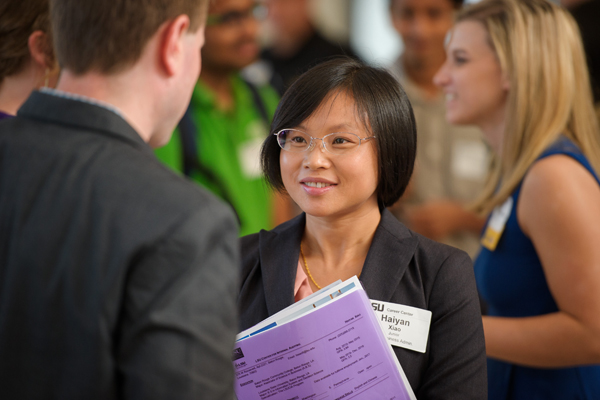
x,y
26,54
587,16
117,277
297,45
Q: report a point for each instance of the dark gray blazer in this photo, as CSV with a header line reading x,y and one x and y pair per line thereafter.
x,y
401,267
117,277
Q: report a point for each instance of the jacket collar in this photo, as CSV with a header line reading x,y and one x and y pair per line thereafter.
x,y
279,251
391,251
80,115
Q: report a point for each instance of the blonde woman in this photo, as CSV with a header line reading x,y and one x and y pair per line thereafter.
x,y
517,70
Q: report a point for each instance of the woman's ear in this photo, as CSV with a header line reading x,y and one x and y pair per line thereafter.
x,y
39,50
505,81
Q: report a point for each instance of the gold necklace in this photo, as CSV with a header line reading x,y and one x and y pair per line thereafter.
x,y
308,270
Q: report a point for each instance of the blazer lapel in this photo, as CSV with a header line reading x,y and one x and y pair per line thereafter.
x,y
391,251
279,252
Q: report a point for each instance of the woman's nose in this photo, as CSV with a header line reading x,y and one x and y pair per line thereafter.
x,y
316,156
441,77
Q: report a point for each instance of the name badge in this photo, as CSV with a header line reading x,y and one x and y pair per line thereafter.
x,y
470,160
249,156
403,326
495,227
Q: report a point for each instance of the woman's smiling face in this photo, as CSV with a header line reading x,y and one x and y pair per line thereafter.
x,y
472,78
329,185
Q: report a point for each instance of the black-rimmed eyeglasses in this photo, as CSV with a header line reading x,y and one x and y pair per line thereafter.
x,y
337,143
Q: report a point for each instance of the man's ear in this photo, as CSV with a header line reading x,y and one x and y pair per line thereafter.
x,y
171,52
39,49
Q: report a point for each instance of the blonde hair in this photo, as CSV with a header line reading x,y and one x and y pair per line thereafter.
x,y
539,48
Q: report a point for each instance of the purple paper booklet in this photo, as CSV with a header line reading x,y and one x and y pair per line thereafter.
x,y
338,351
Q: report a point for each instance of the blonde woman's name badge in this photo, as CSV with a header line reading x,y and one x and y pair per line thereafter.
x,y
403,326
496,225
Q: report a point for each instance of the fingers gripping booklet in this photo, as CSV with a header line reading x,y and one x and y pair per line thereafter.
x,y
328,346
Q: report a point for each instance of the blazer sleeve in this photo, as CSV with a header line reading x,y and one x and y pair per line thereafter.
x,y
179,314
457,360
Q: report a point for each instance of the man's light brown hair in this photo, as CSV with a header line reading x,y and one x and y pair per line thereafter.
x,y
107,36
18,20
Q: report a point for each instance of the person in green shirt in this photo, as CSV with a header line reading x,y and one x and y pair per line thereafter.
x,y
218,141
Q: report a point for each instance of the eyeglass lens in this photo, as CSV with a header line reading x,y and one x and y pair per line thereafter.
x,y
335,143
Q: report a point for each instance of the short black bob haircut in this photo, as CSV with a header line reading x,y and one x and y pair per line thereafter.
x,y
381,105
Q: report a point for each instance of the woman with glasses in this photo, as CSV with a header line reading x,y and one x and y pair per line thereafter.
x,y
343,146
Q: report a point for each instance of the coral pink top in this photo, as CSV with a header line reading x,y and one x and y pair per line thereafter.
x,y
302,287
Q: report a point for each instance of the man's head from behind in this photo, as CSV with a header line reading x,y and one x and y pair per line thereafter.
x,y
142,56
109,36
423,25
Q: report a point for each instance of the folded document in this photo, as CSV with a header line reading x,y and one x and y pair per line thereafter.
x,y
327,346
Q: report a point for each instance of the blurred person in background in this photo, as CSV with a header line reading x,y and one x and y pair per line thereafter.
x,y
296,44
219,138
452,161
516,68
117,277
26,54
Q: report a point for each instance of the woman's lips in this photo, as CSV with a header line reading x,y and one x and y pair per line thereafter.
x,y
315,187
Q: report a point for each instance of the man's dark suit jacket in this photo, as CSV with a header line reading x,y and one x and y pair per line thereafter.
x,y
117,277
401,267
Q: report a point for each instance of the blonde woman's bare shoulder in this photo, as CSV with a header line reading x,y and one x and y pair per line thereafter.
x,y
557,191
